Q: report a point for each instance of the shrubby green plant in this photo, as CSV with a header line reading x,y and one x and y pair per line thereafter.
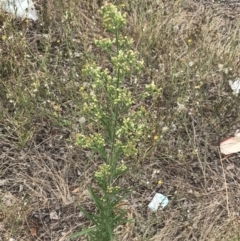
x,y
108,102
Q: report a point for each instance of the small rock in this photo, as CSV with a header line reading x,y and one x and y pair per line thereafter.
x,y
8,199
54,215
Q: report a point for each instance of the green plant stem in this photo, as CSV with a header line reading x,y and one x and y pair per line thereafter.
x,y
116,114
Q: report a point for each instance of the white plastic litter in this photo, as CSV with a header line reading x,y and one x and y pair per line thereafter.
x,y
231,145
158,200
20,8
235,86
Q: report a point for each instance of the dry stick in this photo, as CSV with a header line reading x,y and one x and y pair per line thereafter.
x,y
225,184
203,167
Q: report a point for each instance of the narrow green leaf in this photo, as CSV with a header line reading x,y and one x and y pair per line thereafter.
x,y
84,231
96,200
127,193
91,217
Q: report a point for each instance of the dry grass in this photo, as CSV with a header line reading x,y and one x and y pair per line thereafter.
x,y
191,50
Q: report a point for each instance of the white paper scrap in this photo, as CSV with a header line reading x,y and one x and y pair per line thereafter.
x,y
231,145
20,8
158,200
235,86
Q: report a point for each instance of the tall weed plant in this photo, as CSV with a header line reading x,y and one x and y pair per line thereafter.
x,y
119,122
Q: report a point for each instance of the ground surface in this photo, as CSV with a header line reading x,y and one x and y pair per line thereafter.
x,y
191,51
